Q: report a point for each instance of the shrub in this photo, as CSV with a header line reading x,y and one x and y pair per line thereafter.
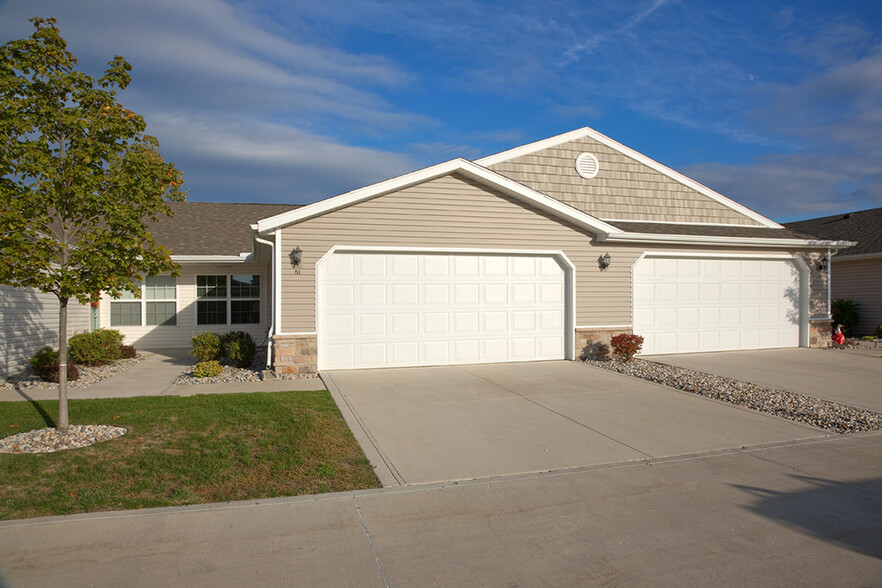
x,y
240,347
127,352
96,348
868,338
845,313
206,346
207,369
626,346
596,350
44,363
879,332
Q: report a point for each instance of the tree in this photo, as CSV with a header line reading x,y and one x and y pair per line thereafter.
x,y
80,181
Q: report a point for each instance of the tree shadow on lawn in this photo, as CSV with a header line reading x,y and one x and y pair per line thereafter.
x,y
47,418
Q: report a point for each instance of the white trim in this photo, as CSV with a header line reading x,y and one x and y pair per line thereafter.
x,y
210,259
804,277
661,238
277,283
691,223
569,276
605,327
627,151
712,255
856,256
455,166
296,334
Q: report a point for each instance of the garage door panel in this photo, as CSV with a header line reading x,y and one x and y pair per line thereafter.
x,y
740,304
415,309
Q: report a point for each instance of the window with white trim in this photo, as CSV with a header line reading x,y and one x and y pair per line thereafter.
x,y
156,307
227,299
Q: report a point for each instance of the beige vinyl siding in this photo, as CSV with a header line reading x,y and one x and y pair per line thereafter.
x,y
453,212
178,336
29,321
860,280
623,189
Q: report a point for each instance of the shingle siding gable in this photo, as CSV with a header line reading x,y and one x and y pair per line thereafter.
x,y
624,188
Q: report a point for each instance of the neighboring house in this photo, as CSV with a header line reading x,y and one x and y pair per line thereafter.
x,y
530,254
856,272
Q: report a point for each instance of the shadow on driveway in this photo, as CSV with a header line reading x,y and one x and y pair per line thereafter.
x,y
846,514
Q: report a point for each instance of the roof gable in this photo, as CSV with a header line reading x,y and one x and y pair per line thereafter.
x,y
462,167
629,186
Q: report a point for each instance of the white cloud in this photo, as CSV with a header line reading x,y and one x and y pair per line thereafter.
x,y
223,90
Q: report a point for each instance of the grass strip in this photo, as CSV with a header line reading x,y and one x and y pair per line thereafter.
x,y
183,450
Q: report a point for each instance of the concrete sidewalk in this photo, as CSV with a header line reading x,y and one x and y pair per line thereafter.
x,y
847,377
155,376
798,514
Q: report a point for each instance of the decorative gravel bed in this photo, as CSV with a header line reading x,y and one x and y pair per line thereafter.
x,y
231,373
796,407
88,375
50,440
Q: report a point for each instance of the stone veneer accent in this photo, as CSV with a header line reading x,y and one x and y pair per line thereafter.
x,y
295,354
588,341
820,332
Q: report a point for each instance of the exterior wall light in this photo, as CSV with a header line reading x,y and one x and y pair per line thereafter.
x,y
603,261
822,264
296,256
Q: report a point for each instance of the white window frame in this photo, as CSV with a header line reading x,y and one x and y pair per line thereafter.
x,y
229,299
142,304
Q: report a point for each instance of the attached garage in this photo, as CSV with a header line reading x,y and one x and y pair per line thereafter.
x,y
688,304
379,308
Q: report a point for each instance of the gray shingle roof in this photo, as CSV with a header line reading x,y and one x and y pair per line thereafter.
x,y
863,226
709,230
212,228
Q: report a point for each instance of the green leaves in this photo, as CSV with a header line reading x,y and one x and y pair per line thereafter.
x,y
80,180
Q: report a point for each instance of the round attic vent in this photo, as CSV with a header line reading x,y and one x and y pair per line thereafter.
x,y
587,166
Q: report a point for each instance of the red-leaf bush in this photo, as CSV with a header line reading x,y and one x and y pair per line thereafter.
x,y
626,346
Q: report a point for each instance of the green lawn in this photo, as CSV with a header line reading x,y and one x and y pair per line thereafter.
x,y
205,448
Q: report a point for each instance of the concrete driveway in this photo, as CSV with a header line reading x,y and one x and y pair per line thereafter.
x,y
849,378
423,425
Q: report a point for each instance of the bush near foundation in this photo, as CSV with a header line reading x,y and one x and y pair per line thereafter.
x,y
96,348
207,346
207,369
239,346
626,346
44,363
845,313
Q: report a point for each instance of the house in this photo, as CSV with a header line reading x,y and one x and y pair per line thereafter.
x,y
856,272
534,253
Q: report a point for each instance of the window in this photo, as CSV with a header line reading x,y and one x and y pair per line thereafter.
x,y
211,300
160,294
125,311
245,300
157,306
218,304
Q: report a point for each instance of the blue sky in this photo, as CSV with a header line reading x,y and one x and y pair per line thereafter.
x,y
776,105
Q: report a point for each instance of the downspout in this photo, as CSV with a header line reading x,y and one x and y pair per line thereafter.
x,y
272,321
829,284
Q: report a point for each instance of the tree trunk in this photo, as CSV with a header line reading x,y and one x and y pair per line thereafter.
x,y
62,365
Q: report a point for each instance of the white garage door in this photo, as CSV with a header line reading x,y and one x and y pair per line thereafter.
x,y
684,305
395,310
